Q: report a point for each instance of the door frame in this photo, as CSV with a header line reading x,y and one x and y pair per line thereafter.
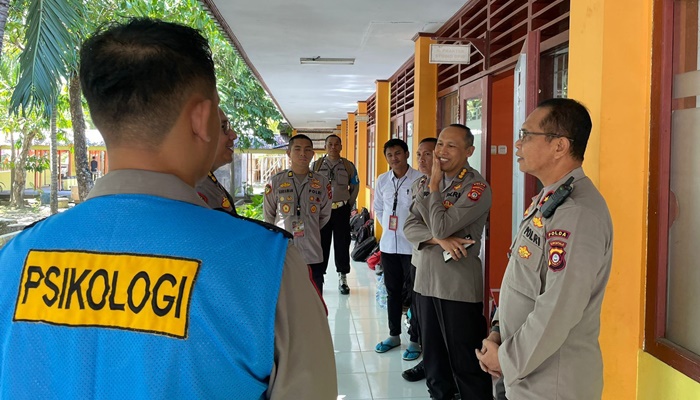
x,y
481,87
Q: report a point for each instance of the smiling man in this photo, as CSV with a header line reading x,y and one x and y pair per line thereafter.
x,y
450,205
209,188
299,201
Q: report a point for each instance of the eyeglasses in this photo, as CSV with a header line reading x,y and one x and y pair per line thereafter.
x,y
522,134
225,126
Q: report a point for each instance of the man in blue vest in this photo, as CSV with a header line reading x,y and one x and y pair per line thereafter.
x,y
158,296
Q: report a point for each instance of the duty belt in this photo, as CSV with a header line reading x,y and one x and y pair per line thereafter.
x,y
338,204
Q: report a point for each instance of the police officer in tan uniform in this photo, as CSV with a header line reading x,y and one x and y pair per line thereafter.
x,y
209,188
424,156
342,175
299,200
450,205
548,321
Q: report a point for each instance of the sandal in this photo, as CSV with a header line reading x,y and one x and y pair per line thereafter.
x,y
383,347
410,355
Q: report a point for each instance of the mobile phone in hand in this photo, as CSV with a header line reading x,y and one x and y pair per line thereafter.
x,y
446,254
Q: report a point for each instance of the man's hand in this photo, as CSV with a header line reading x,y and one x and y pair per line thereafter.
x,y
488,357
435,176
455,246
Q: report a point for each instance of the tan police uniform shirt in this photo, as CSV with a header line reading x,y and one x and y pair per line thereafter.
x,y
210,190
415,253
460,208
304,363
300,206
339,177
551,297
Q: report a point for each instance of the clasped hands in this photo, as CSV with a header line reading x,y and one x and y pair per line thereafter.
x,y
488,355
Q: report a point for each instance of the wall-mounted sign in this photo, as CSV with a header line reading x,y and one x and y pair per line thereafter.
x,y
450,53
362,118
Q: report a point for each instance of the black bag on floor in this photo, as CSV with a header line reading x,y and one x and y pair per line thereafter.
x,y
365,231
357,221
363,249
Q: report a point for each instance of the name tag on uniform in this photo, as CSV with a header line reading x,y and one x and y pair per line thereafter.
x,y
393,223
298,228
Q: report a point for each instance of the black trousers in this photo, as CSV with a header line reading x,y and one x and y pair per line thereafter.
x,y
317,271
414,330
337,230
396,270
451,330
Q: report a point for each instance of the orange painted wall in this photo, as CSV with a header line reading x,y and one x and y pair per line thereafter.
x,y
501,176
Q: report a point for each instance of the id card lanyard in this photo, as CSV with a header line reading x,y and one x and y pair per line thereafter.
x,y
298,223
331,174
394,219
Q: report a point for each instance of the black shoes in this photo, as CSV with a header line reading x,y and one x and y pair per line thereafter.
x,y
414,374
343,284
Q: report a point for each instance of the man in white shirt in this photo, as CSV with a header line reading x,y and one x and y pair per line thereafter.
x,y
392,198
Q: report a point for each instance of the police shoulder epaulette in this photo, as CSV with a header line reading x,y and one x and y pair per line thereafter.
x,y
33,223
268,226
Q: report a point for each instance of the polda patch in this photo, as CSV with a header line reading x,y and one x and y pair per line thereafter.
x,y
558,233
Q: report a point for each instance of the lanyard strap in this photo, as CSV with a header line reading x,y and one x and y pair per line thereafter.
x,y
331,173
396,192
297,192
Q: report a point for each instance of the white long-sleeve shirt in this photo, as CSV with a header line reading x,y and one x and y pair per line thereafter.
x,y
394,241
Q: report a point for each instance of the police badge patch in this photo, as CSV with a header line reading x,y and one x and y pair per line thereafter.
x,y
268,189
476,191
557,260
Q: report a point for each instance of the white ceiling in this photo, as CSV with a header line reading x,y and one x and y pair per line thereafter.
x,y
274,34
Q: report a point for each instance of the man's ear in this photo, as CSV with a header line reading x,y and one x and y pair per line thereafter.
x,y
563,146
199,116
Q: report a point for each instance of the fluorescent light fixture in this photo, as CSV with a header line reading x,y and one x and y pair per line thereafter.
x,y
322,60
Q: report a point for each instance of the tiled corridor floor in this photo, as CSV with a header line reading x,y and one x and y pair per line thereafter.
x,y
357,324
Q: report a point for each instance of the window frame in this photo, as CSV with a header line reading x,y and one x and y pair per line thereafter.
x,y
655,341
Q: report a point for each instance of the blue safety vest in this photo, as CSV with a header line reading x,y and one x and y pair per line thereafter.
x,y
137,296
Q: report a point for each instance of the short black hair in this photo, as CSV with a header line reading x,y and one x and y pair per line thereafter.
x,y
468,136
428,140
395,142
297,137
569,118
137,76
331,136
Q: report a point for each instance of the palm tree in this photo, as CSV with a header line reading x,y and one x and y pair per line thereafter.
x,y
49,48
4,9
